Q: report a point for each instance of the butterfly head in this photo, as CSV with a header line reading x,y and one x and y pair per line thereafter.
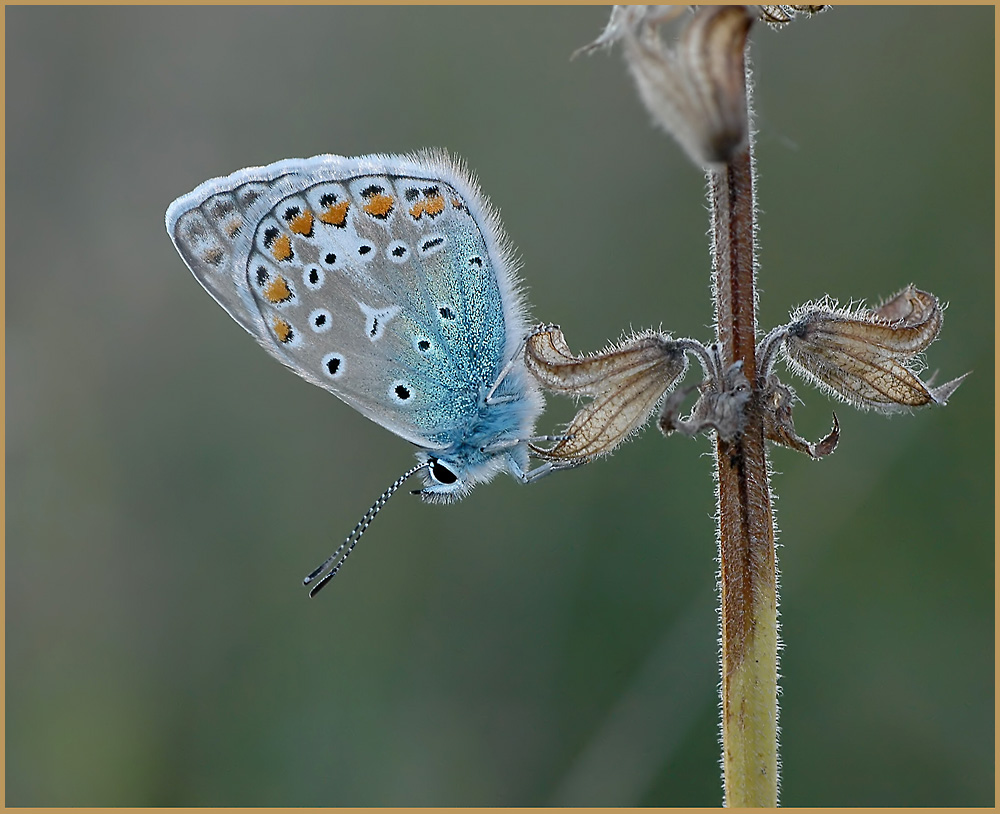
x,y
448,478
445,480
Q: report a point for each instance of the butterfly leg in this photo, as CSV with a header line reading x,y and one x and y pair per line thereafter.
x,y
541,471
501,444
518,354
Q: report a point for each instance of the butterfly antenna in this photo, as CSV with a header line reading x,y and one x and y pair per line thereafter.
x,y
336,559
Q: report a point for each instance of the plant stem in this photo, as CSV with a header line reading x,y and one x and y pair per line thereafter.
x,y
748,575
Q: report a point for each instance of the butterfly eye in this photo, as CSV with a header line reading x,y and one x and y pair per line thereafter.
x,y
442,474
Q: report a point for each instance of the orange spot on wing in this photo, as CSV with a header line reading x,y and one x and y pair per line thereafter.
x,y
282,330
434,205
278,291
379,205
302,224
336,215
214,256
282,248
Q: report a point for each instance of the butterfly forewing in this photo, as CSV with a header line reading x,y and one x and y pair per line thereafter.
x,y
376,282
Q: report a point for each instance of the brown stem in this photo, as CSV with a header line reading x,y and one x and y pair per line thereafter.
x,y
748,576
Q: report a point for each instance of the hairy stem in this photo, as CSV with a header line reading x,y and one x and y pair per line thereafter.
x,y
748,576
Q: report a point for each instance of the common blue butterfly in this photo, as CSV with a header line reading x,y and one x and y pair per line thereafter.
x,y
388,281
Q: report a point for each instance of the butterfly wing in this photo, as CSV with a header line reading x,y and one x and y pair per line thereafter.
x,y
386,280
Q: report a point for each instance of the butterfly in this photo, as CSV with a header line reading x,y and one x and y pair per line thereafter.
x,y
387,280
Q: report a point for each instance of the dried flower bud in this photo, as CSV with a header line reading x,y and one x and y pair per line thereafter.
x,y
626,381
779,15
914,309
859,355
721,405
695,89
779,426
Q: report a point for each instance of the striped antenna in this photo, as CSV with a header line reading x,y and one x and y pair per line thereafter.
x,y
335,559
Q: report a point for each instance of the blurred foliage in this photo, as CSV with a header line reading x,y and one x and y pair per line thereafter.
x,y
169,484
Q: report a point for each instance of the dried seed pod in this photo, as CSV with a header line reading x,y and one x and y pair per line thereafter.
x,y
912,312
721,405
695,89
779,426
859,355
779,15
626,381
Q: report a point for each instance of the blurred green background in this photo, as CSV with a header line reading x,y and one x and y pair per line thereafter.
x,y
552,644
